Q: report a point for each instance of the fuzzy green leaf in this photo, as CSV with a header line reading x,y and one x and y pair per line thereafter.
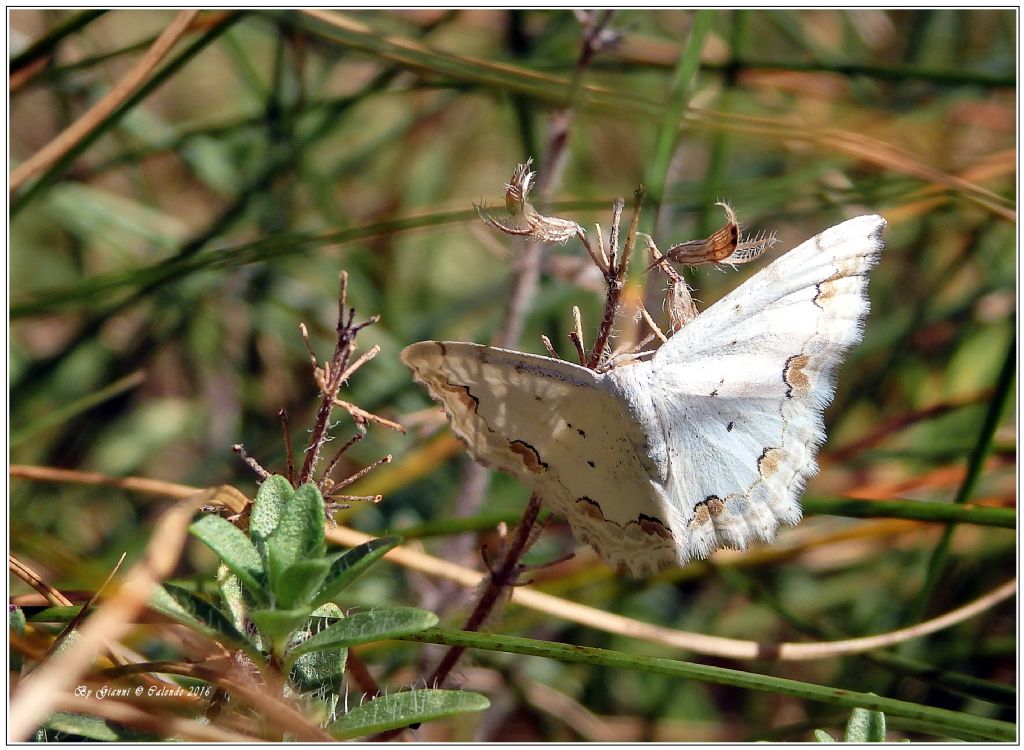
x,y
234,549
365,627
298,536
269,506
353,564
402,709
279,624
189,609
865,726
296,584
88,727
319,671
820,735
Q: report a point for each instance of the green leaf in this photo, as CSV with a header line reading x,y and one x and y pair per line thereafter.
x,y
353,564
278,625
365,627
189,609
865,726
299,535
403,709
234,549
319,671
83,726
269,506
820,735
297,583
233,597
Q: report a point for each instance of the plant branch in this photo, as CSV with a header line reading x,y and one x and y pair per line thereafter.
x,y
63,143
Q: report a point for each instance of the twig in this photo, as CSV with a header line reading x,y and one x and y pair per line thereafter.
x,y
652,325
251,462
333,374
362,472
615,275
576,336
363,359
709,645
356,498
549,347
501,577
360,415
337,457
65,141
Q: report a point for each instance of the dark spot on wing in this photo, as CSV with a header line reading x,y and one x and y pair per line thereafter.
x,y
462,394
728,427
707,509
653,526
589,507
529,455
793,375
591,464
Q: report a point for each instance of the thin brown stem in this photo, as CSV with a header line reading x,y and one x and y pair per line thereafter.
x,y
251,462
333,374
501,577
337,457
355,667
614,281
63,143
362,472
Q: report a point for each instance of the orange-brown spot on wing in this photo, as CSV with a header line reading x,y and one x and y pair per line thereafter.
x,y
794,377
826,290
707,509
461,393
654,527
769,462
589,508
701,515
530,457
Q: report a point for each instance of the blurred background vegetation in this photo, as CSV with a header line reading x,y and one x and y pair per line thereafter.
x,y
160,267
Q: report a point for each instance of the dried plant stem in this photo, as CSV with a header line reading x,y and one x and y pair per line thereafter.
x,y
355,667
709,645
37,694
277,711
64,142
615,275
334,374
337,457
501,577
251,462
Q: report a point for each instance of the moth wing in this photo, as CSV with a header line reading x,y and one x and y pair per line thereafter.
x,y
740,391
558,428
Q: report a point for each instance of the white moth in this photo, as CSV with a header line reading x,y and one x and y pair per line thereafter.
x,y
707,445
